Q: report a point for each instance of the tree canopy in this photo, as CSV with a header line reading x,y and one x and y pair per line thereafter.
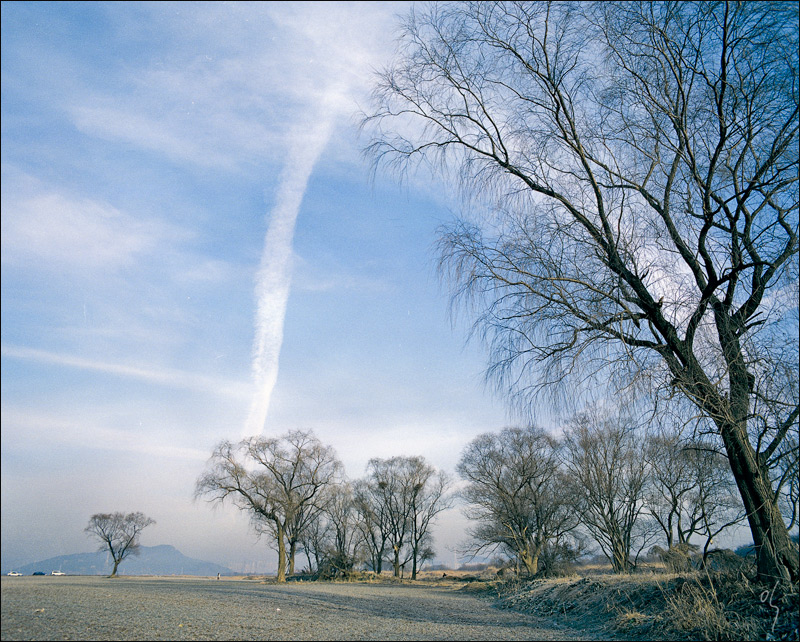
x,y
631,181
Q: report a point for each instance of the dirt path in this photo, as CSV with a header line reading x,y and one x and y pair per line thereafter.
x,y
129,608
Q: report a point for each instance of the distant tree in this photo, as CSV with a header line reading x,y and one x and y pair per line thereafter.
x,y
399,499
332,540
516,494
632,174
609,477
429,497
281,493
691,491
340,514
314,542
119,533
371,521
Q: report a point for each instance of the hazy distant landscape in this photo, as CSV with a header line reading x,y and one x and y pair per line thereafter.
x,y
151,560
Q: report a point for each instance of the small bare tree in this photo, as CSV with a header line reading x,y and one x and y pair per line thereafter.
x,y
633,172
429,497
333,538
691,491
609,478
399,500
516,494
119,533
280,492
371,521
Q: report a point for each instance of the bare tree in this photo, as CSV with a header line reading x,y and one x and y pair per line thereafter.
x,y
119,533
516,494
333,538
401,496
638,166
372,522
429,497
691,491
281,492
609,478
315,542
716,496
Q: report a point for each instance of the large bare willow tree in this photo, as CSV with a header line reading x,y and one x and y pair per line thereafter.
x,y
633,174
279,481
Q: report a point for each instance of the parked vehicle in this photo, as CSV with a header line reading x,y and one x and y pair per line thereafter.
x,y
39,573
14,574
57,573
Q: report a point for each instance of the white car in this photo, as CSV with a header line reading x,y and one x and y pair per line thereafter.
x,y
14,574
57,573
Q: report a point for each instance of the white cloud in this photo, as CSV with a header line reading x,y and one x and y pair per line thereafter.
x,y
273,281
65,231
26,428
232,75
149,132
161,376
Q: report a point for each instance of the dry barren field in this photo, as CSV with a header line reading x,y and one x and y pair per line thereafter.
x,y
182,608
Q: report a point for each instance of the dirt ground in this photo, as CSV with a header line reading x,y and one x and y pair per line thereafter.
x,y
178,608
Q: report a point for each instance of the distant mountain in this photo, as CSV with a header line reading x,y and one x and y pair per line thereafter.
x,y
151,560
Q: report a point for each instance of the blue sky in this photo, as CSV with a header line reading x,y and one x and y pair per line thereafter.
x,y
192,245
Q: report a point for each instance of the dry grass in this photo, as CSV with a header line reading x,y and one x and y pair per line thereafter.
x,y
652,604
662,606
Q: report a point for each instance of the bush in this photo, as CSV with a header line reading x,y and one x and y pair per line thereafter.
x,y
714,606
678,559
335,566
558,559
724,560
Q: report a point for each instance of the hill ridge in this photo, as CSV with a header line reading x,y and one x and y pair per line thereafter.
x,y
161,559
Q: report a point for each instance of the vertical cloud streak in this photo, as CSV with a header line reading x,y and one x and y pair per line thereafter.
x,y
273,281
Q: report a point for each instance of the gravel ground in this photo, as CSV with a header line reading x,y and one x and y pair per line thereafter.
x,y
167,608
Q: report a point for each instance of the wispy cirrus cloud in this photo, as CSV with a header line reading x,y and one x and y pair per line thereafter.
x,y
61,230
59,430
223,95
167,377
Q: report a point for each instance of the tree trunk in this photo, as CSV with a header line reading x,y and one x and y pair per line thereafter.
x,y
619,556
292,551
777,556
281,554
530,561
396,562
116,564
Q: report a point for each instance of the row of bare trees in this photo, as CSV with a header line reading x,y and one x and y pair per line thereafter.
x,y
630,222
294,490
532,496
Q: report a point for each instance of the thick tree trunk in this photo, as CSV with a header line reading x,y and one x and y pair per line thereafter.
x,y
619,556
777,555
530,560
281,554
116,564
